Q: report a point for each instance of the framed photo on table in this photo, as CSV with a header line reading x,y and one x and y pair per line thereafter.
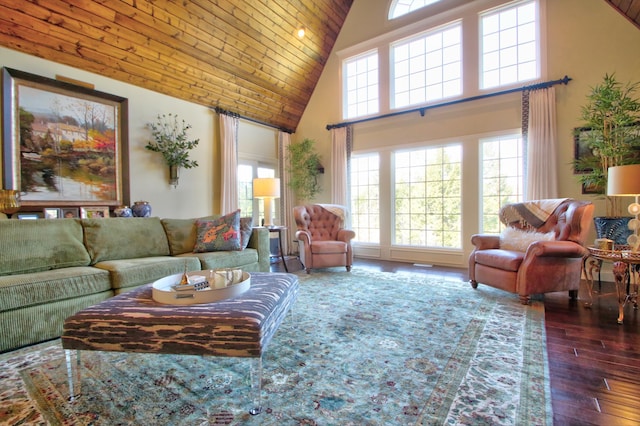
x,y
94,212
64,144
51,213
70,212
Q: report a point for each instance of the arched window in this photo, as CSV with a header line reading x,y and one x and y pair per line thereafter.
x,y
402,7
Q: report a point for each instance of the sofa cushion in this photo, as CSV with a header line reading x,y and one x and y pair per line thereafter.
x,y
124,238
226,259
19,291
44,245
181,234
129,273
220,234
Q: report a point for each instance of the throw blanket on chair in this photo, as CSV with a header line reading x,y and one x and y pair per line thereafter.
x,y
530,213
336,209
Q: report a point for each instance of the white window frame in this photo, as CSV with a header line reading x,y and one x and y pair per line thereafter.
x,y
510,38
500,169
427,70
426,188
362,90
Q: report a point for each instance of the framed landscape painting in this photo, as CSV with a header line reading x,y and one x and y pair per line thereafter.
x,y
64,144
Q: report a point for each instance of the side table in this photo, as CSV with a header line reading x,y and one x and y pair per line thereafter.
x,y
279,230
625,269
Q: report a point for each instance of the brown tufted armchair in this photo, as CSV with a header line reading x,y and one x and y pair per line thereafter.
x,y
322,240
542,266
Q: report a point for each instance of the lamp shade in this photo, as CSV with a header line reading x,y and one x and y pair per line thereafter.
x,y
266,188
624,180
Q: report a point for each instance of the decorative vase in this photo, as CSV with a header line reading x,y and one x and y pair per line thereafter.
x,y
9,201
613,228
123,211
173,175
141,209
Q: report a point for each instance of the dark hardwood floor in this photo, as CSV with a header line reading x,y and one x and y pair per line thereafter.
x,y
594,363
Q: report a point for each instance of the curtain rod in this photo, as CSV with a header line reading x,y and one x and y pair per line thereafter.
x,y
423,109
253,120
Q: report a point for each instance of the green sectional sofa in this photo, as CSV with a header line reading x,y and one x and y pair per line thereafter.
x,y
50,269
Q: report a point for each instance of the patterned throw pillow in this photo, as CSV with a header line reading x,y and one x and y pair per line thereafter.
x,y
222,234
246,228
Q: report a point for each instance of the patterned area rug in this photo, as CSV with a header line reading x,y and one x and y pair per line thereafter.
x,y
360,348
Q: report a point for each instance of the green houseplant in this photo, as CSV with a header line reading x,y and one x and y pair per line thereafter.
x,y
611,134
303,166
170,139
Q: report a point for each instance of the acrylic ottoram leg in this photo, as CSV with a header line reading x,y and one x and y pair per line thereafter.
x,y
256,386
74,393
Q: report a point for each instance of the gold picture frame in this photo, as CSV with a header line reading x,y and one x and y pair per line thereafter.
x,y
63,144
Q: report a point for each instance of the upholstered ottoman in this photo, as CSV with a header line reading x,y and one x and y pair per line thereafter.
x,y
134,322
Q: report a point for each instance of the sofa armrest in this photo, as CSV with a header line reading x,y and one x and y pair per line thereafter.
x,y
485,241
259,240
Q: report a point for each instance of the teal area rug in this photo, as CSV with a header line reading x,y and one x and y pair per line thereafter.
x,y
361,348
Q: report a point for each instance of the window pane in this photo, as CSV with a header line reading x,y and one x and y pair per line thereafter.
x,y
365,205
428,200
423,78
402,7
509,45
361,85
502,179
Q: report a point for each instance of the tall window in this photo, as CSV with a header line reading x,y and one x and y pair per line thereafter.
x,y
246,173
428,200
361,85
502,179
428,67
365,197
402,7
509,45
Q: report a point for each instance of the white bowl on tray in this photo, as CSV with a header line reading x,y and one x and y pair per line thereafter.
x,y
163,291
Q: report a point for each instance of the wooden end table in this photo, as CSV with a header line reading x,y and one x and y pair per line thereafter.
x,y
626,272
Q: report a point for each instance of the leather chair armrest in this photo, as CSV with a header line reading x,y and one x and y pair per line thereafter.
x,y
303,236
346,235
485,241
556,249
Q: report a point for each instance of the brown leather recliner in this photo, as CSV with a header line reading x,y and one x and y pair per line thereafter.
x,y
322,240
545,266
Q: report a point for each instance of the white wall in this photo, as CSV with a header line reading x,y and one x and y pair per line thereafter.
x,y
585,40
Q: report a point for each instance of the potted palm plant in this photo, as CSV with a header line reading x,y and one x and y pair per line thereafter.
x,y
612,135
170,139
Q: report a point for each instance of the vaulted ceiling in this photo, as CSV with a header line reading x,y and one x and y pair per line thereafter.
x,y
242,56
629,8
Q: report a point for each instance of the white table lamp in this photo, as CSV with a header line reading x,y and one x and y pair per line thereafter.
x,y
625,181
267,189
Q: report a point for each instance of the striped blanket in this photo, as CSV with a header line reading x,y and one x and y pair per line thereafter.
x,y
530,213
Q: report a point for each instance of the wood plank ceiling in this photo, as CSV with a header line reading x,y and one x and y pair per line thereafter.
x,y
629,8
238,55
